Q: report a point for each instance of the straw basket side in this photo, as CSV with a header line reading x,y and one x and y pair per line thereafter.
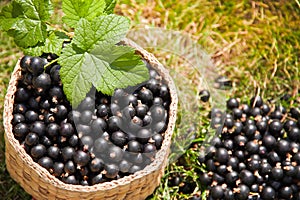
x,y
39,183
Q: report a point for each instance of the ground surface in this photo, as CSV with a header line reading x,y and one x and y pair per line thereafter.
x,y
254,43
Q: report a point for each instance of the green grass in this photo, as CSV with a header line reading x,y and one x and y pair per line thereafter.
x,y
254,43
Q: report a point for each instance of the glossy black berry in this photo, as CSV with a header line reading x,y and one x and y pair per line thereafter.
x,y
232,103
42,82
222,155
81,158
38,127
20,130
268,193
101,145
153,85
18,118
38,151
143,135
31,139
56,93
36,66
256,101
286,192
70,167
20,108
111,170
99,178
217,192
146,96
46,162
52,129
25,62
67,153
66,129
115,154
96,165
119,138
205,179
114,123
22,95
53,152
31,116
61,111
124,166
70,180
141,110
98,125
158,113
103,110
204,95
54,73
58,169
164,92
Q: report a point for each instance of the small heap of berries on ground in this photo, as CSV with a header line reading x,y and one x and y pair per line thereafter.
x,y
256,154
103,139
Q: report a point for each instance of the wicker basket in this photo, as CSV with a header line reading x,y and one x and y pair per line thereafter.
x,y
39,183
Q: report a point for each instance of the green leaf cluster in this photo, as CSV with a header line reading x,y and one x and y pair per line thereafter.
x,y
91,56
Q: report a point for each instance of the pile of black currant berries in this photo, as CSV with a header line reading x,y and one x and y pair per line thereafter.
x,y
257,155
103,139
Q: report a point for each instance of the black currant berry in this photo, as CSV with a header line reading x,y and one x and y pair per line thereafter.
x,y
25,62
22,95
31,139
111,170
38,151
54,73
232,103
81,158
20,130
36,66
204,95
115,154
38,127
58,169
124,166
101,145
70,167
143,135
114,123
103,110
256,101
157,113
53,152
96,165
18,118
42,82
66,129
87,104
119,138
146,96
67,153
52,129
217,192
46,162
268,193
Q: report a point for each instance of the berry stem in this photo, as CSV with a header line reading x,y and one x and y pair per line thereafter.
x,y
50,63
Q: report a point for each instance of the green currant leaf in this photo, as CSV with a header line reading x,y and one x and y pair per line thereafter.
x,y
25,21
106,67
104,29
76,9
110,6
53,44
121,68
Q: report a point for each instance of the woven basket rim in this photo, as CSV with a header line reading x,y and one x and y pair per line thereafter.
x,y
155,165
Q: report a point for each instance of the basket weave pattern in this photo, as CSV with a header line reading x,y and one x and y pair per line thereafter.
x,y
39,183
